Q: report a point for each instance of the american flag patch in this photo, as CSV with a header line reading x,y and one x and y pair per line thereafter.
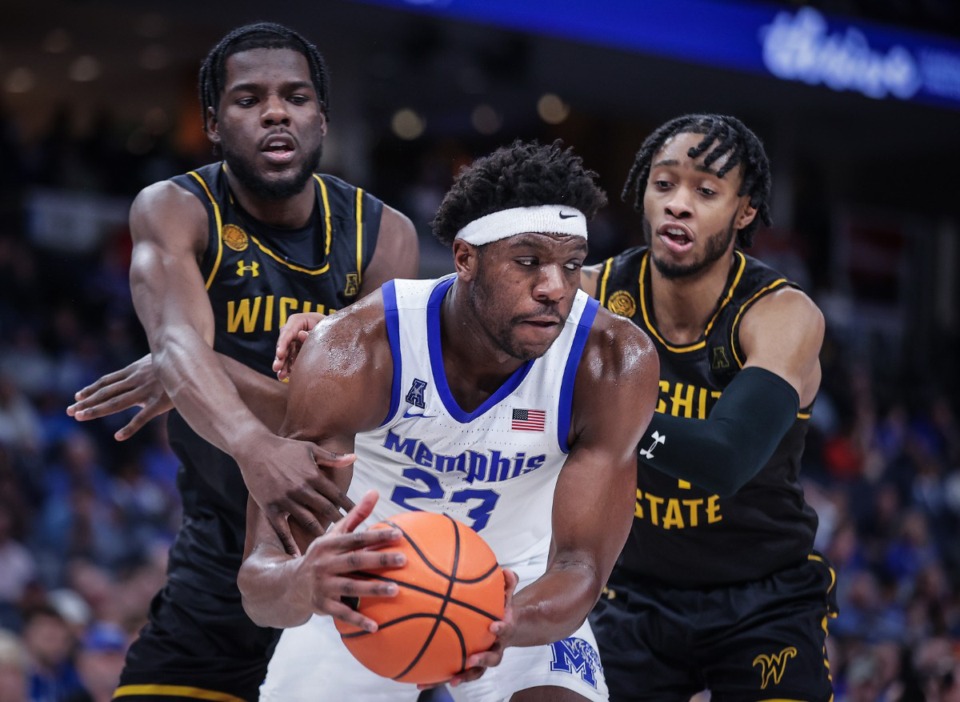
x,y
528,420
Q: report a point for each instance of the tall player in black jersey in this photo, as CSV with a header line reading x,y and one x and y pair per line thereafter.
x,y
221,256
718,586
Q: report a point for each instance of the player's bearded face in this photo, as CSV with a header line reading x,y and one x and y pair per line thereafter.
x,y
277,186
714,249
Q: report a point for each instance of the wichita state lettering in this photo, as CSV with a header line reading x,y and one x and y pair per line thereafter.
x,y
266,313
257,276
677,523
692,402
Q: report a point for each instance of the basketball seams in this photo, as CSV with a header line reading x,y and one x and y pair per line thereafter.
x,y
452,621
445,600
433,593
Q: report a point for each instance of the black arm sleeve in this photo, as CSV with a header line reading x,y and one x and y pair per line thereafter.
x,y
724,451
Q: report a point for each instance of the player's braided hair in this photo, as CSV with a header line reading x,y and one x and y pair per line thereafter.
x,y
524,174
722,135
262,35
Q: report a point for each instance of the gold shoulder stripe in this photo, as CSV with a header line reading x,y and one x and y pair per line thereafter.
x,y
216,213
359,212
192,693
604,277
326,213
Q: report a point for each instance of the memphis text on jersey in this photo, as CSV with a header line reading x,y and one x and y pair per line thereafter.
x,y
679,510
476,466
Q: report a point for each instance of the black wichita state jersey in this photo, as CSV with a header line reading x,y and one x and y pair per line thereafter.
x,y
683,535
257,276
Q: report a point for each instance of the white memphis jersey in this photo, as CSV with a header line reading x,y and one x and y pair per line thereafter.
x,y
495,468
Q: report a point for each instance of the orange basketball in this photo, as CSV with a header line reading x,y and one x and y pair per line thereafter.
x,y
450,591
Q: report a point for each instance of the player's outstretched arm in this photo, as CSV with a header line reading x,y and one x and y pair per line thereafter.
x,y
169,230
136,385
781,336
614,398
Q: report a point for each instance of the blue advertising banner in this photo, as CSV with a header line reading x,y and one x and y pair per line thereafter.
x,y
790,44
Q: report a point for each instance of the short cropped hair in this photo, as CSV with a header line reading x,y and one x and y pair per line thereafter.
x,y
524,174
722,135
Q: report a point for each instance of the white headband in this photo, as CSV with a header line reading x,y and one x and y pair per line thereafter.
x,y
543,219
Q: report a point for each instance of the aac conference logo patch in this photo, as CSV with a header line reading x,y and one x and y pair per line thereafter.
x,y
235,237
622,303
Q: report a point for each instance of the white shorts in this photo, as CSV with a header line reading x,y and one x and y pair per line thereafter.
x,y
311,663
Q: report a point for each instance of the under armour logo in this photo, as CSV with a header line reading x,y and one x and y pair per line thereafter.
x,y
657,439
773,666
253,269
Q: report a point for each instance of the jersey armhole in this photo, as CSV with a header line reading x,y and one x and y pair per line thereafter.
x,y
565,409
392,317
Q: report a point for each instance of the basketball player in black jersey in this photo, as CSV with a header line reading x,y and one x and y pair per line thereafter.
x,y
222,255
718,586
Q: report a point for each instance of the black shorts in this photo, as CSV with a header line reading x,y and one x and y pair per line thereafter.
x,y
763,640
197,646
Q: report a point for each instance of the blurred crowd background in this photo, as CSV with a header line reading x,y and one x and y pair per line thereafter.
x,y
85,521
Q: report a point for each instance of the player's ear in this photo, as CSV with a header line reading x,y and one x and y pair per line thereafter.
x,y
211,126
745,213
465,259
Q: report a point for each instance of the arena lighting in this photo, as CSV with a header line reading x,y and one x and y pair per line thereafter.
x,y
84,69
20,80
552,109
802,45
485,119
407,124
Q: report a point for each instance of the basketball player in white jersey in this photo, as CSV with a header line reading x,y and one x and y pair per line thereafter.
x,y
500,395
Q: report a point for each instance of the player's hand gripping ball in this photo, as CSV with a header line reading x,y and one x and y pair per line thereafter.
x,y
450,591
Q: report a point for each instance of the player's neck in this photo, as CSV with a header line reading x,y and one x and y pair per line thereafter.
x,y
289,213
474,365
682,306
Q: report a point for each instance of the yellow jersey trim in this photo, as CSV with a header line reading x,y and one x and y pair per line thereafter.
x,y
358,209
604,277
741,266
194,693
216,214
326,214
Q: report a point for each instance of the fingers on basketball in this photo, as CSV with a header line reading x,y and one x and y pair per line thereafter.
x,y
449,592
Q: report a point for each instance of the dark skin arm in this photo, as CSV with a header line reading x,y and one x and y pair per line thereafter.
x,y
169,231
346,357
613,401
782,333
396,255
